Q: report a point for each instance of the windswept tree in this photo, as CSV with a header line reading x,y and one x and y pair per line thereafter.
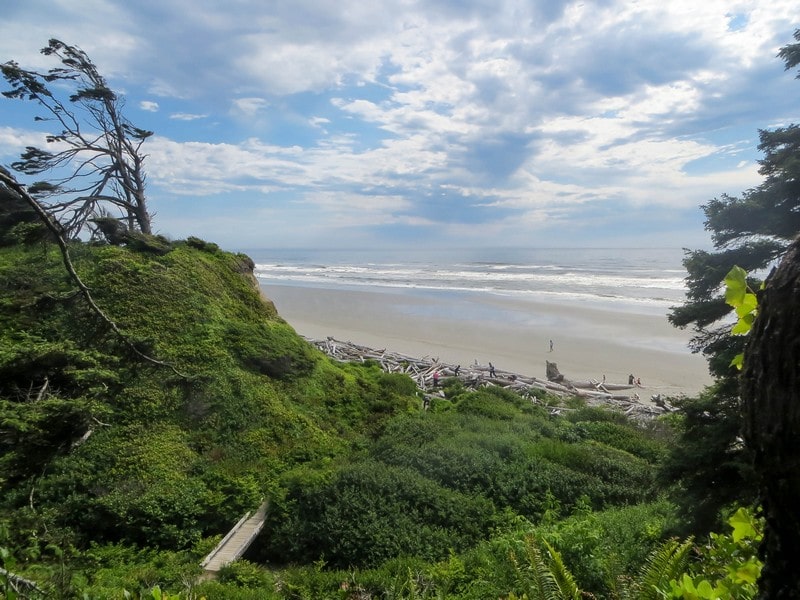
x,y
95,162
752,231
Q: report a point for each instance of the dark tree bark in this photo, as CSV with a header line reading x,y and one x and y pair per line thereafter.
x,y
771,407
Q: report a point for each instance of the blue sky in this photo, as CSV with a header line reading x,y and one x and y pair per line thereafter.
x,y
434,122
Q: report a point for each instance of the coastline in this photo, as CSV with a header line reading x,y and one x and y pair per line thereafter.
x,y
589,340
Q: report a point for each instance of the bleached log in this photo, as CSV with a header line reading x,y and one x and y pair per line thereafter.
x,y
476,375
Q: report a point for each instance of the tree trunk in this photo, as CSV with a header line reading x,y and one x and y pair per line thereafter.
x,y
771,407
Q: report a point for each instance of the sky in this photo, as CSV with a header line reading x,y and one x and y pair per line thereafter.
x,y
428,123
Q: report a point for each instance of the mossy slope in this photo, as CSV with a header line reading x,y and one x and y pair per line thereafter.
x,y
175,452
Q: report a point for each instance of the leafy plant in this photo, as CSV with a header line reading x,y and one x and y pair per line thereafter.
x,y
741,297
729,566
543,575
663,565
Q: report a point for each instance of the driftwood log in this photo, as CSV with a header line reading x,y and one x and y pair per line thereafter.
x,y
422,371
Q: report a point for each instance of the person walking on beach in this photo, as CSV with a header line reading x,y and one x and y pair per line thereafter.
x,y
456,370
630,379
551,345
491,371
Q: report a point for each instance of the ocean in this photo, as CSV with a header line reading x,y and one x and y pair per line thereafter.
x,y
640,280
604,308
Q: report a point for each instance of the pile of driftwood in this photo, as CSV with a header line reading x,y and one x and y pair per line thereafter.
x,y
427,372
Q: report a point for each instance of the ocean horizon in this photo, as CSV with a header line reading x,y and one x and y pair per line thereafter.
x,y
605,308
641,280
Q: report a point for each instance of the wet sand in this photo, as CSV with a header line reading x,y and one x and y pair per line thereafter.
x,y
589,340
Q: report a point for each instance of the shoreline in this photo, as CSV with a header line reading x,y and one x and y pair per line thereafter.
x,y
426,373
590,341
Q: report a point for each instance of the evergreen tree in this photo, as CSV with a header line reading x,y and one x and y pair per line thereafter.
x,y
752,231
771,394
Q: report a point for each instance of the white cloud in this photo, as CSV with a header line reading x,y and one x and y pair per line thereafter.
x,y
535,109
249,107
186,117
148,105
13,141
319,122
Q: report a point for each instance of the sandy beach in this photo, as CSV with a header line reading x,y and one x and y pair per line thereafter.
x,y
589,340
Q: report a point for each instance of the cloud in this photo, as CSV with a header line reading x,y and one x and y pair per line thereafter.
x,y
148,105
186,117
459,117
249,107
319,122
13,141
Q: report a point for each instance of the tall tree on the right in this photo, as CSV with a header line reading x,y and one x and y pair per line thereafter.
x,y
771,403
711,466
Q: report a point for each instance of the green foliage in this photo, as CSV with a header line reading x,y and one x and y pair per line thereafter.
x,y
133,484
603,546
492,403
368,512
515,456
612,429
34,433
135,470
269,348
728,567
117,571
457,472
165,460
19,224
245,574
744,301
709,467
214,590
543,575
662,566
203,245
748,233
145,242
357,393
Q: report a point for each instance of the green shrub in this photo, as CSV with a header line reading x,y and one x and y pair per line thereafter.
x,y
116,567
625,437
596,414
513,456
486,405
203,245
600,547
243,573
272,349
214,590
369,512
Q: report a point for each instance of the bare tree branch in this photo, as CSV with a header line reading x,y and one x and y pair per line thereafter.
x,y
102,145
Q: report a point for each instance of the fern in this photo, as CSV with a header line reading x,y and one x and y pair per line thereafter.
x,y
545,577
662,565
544,585
565,583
